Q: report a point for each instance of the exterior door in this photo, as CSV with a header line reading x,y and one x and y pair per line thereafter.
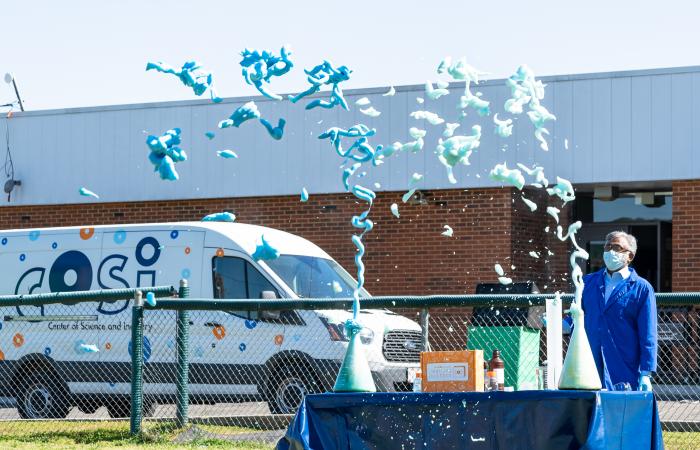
x,y
228,349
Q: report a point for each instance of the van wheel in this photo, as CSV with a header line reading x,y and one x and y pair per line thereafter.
x,y
89,407
120,408
289,387
43,396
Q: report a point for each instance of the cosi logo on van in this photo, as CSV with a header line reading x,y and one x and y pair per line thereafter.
x,y
73,271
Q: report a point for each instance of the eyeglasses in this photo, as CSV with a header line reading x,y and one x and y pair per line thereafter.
x,y
614,247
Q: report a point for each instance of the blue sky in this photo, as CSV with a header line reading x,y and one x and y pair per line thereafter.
x,y
73,53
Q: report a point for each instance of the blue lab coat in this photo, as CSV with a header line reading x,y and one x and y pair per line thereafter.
x,y
621,331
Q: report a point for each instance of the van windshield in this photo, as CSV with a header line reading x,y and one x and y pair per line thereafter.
x,y
313,277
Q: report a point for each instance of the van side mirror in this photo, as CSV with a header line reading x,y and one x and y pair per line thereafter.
x,y
270,315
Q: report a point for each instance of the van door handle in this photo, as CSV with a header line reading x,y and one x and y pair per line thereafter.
x,y
212,324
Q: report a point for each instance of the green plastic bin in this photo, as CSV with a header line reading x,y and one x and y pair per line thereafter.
x,y
520,351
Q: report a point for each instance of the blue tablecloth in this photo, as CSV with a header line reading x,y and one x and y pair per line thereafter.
x,y
524,420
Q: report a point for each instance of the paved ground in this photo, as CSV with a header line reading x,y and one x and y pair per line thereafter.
x,y
680,411
218,410
267,437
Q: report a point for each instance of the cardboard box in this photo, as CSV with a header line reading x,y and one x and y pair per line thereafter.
x,y
456,371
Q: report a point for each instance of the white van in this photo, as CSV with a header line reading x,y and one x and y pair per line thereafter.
x,y
235,356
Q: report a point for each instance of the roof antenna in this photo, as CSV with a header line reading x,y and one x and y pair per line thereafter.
x,y
10,79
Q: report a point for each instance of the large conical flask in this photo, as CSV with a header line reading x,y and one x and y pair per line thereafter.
x,y
354,374
579,371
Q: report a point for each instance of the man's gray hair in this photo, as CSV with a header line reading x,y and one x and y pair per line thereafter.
x,y
631,240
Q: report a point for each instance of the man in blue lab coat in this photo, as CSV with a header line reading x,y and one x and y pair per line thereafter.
x,y
620,317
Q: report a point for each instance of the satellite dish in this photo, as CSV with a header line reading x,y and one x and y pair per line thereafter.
x,y
10,184
8,78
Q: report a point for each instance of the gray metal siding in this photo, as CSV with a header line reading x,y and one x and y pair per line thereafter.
x,y
620,127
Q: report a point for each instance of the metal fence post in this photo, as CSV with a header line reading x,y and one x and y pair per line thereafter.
x,y
137,363
183,363
424,325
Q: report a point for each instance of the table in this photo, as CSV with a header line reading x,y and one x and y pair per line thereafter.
x,y
527,420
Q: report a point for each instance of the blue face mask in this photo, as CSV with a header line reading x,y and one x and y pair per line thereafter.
x,y
614,261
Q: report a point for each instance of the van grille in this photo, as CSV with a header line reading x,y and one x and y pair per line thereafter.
x,y
402,346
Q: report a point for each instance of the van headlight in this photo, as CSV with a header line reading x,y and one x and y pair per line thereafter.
x,y
335,330
366,336
338,332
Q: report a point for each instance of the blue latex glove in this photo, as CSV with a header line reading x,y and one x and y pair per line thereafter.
x,y
566,325
645,381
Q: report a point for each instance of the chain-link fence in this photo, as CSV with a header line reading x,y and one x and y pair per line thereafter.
x,y
247,368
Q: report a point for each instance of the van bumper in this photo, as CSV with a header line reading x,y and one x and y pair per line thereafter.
x,y
393,379
386,378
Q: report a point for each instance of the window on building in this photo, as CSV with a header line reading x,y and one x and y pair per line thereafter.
x,y
650,224
627,208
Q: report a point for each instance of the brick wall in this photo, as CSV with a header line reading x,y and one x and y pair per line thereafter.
x,y
407,255
685,236
550,272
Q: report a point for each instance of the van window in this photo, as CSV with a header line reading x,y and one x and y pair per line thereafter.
x,y
229,278
237,279
313,277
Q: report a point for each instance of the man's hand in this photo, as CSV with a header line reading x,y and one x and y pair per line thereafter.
x,y
645,381
567,325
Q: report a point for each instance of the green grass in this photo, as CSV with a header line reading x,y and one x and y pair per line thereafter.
x,y
59,435
677,440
